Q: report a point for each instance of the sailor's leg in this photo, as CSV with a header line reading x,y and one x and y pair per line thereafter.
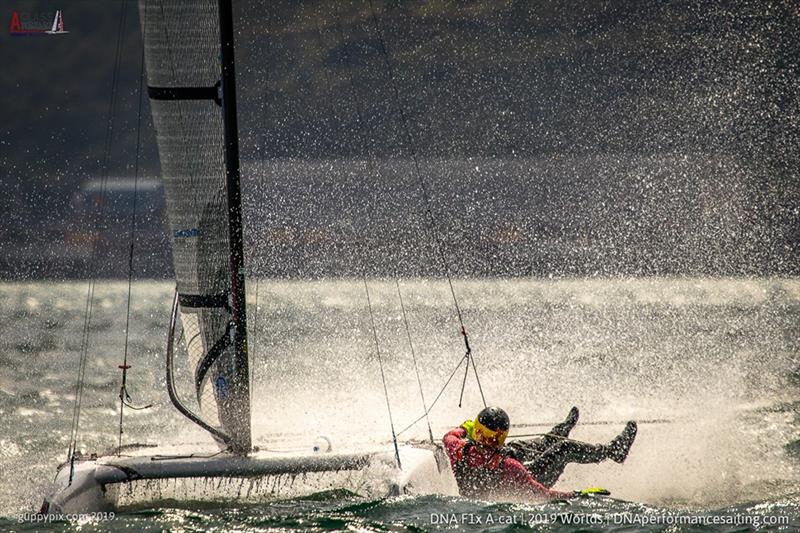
x,y
528,450
563,429
548,466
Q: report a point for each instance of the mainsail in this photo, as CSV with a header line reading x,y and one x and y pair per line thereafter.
x,y
199,163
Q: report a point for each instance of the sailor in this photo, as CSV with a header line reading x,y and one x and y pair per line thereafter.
x,y
483,466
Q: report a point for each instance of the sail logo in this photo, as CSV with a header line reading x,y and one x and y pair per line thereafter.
x,y
186,233
33,24
222,388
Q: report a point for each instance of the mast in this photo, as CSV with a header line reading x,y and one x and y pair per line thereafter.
x,y
240,393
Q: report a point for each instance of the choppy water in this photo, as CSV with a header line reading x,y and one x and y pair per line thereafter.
x,y
717,358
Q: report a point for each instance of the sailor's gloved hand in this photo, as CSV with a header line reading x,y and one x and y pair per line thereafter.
x,y
592,491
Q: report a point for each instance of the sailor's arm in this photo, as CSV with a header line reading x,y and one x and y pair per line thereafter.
x,y
453,441
515,473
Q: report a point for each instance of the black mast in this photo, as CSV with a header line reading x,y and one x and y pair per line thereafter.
x,y
240,393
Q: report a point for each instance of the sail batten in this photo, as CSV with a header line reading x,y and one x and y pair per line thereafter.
x,y
185,72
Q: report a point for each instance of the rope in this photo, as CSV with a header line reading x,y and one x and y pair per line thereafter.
x,y
79,385
433,223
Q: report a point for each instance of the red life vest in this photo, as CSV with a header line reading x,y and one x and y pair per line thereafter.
x,y
477,480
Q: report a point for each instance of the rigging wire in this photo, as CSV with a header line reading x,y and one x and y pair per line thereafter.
x,y
364,271
373,169
433,223
254,325
428,410
383,375
253,333
98,215
124,397
588,423
414,357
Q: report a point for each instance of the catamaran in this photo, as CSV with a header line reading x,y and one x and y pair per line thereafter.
x,y
189,51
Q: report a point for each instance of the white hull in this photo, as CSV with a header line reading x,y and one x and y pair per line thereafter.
x,y
108,483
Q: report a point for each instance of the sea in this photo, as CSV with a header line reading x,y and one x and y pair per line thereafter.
x,y
709,367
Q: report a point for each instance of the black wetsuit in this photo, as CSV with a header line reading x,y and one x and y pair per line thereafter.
x,y
546,457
